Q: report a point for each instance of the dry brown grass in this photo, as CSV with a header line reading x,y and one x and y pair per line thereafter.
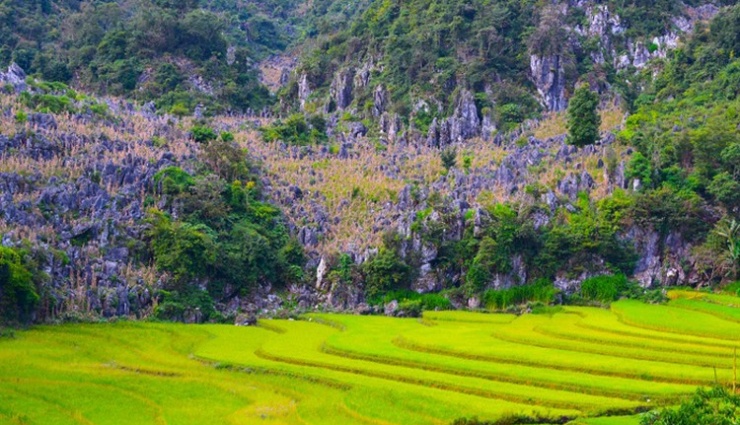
x,y
354,192
553,124
611,119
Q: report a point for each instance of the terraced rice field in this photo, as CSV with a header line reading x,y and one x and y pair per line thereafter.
x,y
595,366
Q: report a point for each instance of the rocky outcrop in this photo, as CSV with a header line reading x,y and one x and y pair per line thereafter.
x,y
380,100
548,75
464,124
304,90
15,77
341,88
390,126
89,253
662,260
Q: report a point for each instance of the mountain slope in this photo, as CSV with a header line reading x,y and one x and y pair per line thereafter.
x,y
115,210
416,59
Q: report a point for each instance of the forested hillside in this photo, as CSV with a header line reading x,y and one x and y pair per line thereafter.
x,y
517,58
176,53
436,153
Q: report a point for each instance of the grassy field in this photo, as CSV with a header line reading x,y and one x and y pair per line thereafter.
x,y
596,366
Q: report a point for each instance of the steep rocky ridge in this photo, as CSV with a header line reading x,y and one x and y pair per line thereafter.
x,y
570,42
76,184
75,187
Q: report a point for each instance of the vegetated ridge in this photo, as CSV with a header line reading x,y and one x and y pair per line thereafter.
x,y
366,178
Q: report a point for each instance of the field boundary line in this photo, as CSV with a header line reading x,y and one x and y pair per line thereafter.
x,y
570,337
260,370
402,342
424,382
711,313
605,353
659,336
488,375
628,322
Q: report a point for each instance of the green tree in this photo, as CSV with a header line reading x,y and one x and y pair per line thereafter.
x,y
386,271
725,189
583,119
639,168
202,134
716,406
729,231
18,296
449,158
185,250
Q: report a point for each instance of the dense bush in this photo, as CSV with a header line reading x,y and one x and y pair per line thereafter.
x,y
516,419
386,271
224,238
604,288
295,130
191,304
145,51
503,241
18,293
427,301
540,290
685,129
716,406
583,119
202,134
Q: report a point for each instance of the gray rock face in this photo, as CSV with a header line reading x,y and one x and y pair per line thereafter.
x,y
390,125
428,281
356,129
488,128
661,261
14,76
341,88
380,100
199,111
344,297
43,121
548,75
464,123
308,237
391,308
304,90
94,217
646,242
321,271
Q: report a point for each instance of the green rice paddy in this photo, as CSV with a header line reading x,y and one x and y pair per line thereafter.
x,y
595,366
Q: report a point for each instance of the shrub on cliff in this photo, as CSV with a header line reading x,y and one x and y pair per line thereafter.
x,y
583,119
386,271
716,406
18,294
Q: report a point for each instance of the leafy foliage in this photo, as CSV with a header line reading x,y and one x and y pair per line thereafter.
x,y
386,272
203,134
708,406
224,238
448,157
18,292
295,130
146,49
685,130
583,119
540,290
427,301
604,288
